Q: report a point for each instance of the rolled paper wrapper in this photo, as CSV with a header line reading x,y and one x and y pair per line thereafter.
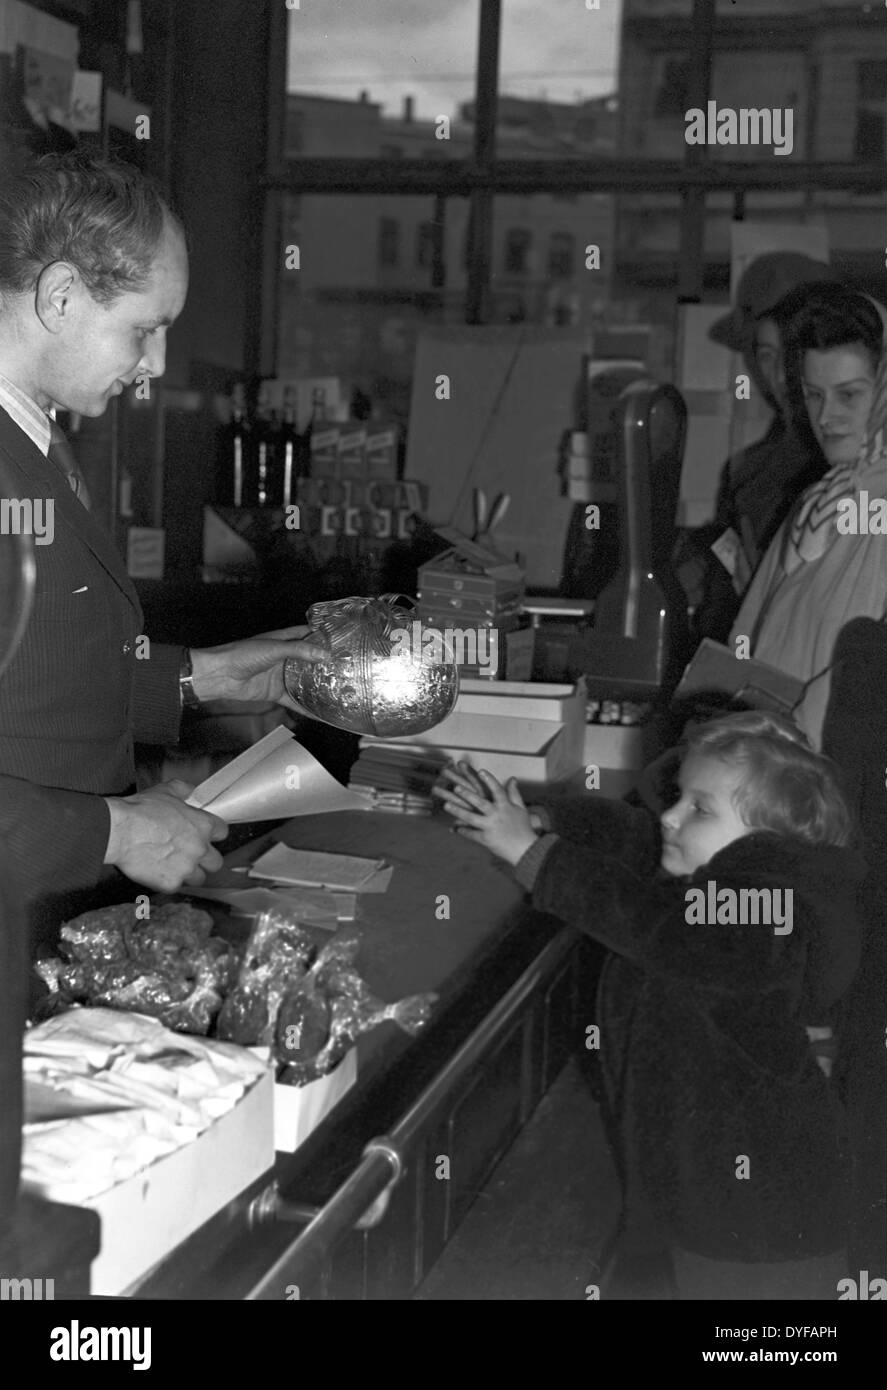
x,y
381,679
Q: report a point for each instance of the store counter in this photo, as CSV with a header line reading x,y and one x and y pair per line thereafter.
x,y
445,1105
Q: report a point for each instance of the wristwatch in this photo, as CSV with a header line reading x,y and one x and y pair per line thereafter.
x,y
186,682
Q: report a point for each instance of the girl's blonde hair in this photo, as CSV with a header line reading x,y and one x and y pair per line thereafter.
x,y
785,787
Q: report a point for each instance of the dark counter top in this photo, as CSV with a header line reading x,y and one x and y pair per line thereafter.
x,y
469,960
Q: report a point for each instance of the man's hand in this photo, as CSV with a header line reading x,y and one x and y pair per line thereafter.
x,y
497,818
157,840
252,670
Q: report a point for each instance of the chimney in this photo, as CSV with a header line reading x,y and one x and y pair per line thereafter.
x,y
364,95
408,108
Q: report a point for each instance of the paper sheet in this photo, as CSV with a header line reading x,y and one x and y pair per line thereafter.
x,y
314,908
312,868
273,779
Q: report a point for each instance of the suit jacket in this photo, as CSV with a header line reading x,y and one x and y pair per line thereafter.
x,y
78,692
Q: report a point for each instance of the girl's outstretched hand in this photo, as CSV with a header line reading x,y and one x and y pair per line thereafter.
x,y
493,815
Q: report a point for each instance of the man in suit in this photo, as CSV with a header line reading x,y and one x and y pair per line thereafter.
x,y
93,272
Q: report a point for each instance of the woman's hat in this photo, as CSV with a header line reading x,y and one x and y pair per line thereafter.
x,y
764,282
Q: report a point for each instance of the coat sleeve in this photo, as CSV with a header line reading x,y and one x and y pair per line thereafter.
x,y
606,826
156,703
56,839
648,923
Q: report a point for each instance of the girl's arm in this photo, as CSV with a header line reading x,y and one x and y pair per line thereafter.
x,y
595,893
656,922
630,833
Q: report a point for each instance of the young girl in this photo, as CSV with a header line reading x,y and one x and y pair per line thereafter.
x,y
731,931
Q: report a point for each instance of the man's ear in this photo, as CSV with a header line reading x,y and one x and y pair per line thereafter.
x,y
53,294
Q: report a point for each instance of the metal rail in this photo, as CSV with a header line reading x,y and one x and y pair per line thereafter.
x,y
363,1197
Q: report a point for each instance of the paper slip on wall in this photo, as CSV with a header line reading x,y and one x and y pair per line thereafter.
x,y
313,869
273,779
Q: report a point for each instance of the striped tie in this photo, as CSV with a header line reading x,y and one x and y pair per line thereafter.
x,y
62,455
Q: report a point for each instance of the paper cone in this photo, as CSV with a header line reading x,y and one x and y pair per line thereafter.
x,y
285,782
243,763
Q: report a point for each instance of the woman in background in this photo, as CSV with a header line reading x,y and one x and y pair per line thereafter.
x,y
760,484
826,566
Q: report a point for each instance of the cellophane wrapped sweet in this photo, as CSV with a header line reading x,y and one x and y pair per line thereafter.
x,y
383,678
312,1013
167,965
308,1006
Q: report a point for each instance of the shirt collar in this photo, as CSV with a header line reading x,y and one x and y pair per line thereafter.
x,y
27,414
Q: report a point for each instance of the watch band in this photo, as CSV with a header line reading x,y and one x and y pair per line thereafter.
x,y
186,682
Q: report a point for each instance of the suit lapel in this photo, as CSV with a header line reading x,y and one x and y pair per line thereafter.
x,y
48,481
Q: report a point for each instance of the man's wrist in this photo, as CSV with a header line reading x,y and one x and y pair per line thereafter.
x,y
188,695
207,676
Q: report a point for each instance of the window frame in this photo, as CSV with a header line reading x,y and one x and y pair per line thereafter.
x,y
483,177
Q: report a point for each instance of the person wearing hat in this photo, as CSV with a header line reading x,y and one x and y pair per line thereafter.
x,y
759,484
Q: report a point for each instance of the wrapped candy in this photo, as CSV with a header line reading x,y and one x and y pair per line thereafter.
x,y
307,1005
382,677
328,1011
276,959
166,966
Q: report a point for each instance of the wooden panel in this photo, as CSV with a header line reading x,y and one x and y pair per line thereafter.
x,y
562,1032
346,1275
483,1123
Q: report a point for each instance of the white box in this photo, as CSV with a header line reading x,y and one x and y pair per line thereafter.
x,y
147,1216
522,699
489,731
560,757
298,1110
510,730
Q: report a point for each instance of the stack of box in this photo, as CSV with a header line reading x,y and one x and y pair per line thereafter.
x,y
473,594
365,450
577,472
397,779
534,732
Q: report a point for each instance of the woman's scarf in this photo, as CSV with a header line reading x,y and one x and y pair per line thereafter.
x,y
813,527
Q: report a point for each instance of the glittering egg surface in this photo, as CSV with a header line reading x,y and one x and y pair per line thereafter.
x,y
383,695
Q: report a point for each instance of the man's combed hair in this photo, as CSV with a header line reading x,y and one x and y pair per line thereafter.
x,y
784,786
105,218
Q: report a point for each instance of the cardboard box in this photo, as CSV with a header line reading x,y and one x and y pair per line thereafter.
x,y
147,1216
510,744
298,1110
325,451
350,450
487,731
560,757
530,699
380,455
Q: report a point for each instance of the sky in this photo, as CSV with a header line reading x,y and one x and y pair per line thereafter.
x,y
428,49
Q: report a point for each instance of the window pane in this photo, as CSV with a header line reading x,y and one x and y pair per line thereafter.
x,y
360,297
557,78
560,255
517,251
389,241
869,143
872,79
408,60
